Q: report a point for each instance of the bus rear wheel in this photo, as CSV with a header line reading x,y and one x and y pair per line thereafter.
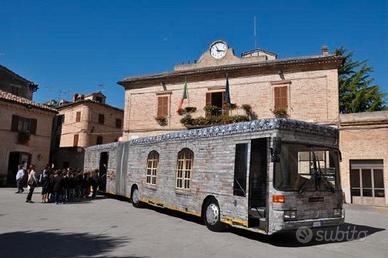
x,y
135,198
212,216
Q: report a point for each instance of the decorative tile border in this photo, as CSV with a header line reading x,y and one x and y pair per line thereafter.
x,y
239,128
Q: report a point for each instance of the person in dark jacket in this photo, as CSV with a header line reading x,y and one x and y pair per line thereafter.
x,y
77,185
94,183
86,184
71,187
44,180
65,185
57,187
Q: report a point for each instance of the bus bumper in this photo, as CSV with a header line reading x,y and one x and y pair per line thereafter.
x,y
310,223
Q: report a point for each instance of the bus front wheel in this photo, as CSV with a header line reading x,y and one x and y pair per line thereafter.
x,y
212,216
135,197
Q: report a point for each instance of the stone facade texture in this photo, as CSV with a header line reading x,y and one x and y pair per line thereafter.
x,y
213,166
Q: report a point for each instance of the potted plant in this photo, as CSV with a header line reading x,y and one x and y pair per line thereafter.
x,y
24,137
162,120
280,113
186,110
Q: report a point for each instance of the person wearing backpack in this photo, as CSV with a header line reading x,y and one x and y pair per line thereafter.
x,y
31,182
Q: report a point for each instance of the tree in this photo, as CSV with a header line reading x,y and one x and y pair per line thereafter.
x,y
357,92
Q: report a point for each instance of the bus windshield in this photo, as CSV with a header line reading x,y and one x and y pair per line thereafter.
x,y
306,168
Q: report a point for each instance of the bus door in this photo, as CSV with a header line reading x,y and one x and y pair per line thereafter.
x,y
257,203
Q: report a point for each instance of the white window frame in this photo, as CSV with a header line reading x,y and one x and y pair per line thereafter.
x,y
152,167
184,169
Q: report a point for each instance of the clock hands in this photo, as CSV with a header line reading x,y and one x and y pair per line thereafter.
x,y
218,50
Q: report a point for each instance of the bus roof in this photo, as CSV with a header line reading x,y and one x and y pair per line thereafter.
x,y
241,128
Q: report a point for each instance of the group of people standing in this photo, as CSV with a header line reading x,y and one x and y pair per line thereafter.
x,y
58,185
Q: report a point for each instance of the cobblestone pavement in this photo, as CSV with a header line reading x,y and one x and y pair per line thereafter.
x,y
112,228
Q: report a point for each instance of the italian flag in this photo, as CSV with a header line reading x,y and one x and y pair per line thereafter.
x,y
184,96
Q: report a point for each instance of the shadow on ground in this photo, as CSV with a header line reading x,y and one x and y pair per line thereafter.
x,y
344,233
307,237
57,245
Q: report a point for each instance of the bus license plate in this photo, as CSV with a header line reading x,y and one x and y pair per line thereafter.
x,y
317,224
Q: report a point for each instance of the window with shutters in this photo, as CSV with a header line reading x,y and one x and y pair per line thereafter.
x,y
101,119
22,124
162,106
152,167
78,116
184,169
75,140
281,98
216,100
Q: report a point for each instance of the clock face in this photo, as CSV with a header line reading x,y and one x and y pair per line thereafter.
x,y
218,49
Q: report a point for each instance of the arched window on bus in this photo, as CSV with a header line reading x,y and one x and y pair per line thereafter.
x,y
184,168
152,167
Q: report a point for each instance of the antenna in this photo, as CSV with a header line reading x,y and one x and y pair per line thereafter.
x,y
254,31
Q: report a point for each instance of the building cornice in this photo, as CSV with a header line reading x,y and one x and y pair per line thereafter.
x,y
236,70
87,101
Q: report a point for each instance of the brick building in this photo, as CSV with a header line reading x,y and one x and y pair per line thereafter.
x,y
25,126
85,121
256,78
306,88
364,166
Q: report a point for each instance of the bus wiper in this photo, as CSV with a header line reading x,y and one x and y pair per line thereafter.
x,y
317,173
315,176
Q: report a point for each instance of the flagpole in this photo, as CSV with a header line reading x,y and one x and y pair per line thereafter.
x,y
187,92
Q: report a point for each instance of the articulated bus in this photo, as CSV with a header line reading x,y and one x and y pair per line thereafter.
x,y
266,175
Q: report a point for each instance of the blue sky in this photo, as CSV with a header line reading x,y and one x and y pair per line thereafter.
x,y
84,46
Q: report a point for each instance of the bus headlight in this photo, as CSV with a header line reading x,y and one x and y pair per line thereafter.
x,y
289,215
337,212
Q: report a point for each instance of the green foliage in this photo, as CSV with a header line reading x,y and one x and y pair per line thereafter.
x,y
162,121
249,112
280,113
356,89
186,110
212,110
186,120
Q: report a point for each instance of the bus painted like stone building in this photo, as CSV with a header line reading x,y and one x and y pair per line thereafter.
x,y
265,175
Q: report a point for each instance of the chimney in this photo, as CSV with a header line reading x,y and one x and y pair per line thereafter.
x,y
75,97
324,50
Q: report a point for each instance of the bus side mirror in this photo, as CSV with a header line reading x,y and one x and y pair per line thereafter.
x,y
275,150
